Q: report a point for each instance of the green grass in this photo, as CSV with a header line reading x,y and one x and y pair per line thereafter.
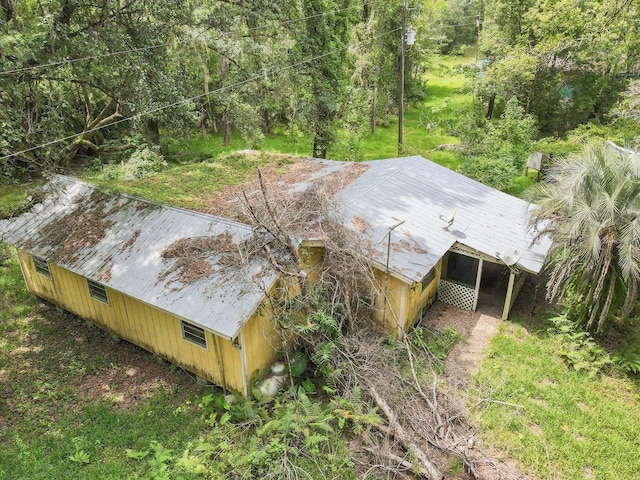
x,y
188,185
207,146
12,195
572,426
425,127
62,413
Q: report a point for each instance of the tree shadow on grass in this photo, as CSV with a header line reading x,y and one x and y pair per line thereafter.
x,y
55,364
531,309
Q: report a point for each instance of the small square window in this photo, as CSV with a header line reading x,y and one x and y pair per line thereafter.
x,y
42,266
194,334
428,278
97,291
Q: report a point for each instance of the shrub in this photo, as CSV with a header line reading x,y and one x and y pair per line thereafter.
x,y
143,162
496,172
578,348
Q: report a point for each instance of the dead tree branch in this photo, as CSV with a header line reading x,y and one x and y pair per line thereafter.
x,y
427,467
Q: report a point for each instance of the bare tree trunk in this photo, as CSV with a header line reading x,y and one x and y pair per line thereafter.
x,y
374,108
204,112
492,101
226,128
226,122
427,467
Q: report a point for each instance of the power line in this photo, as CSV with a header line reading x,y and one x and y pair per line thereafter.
x,y
183,101
454,24
160,45
81,59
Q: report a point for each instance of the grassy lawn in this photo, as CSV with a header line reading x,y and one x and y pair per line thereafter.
x,y
571,426
72,401
424,124
424,127
188,185
12,195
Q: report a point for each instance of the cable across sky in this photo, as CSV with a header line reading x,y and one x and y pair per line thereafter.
x,y
166,44
186,100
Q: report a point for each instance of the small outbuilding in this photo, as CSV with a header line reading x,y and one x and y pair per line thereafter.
x,y
166,279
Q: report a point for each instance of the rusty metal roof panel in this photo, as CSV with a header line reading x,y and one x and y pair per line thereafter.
x,y
122,242
424,195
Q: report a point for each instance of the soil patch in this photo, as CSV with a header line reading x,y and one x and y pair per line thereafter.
x,y
286,184
64,364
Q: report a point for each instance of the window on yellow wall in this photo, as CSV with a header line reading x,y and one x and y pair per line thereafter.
x,y
428,278
98,291
42,266
194,334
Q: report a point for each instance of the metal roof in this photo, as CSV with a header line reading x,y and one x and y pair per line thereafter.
x,y
419,192
122,249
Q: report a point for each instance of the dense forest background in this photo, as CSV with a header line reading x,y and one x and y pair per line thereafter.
x,y
108,79
153,97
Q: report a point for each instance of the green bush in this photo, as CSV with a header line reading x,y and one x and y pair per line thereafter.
x,y
143,162
496,172
578,348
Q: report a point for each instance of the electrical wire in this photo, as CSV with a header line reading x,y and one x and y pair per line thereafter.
x,y
160,45
184,101
82,59
455,24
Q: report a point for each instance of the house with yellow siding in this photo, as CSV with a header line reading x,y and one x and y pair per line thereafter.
x,y
170,280
430,233
186,286
434,233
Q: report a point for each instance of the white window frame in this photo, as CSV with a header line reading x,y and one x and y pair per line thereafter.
x,y
41,266
194,334
98,291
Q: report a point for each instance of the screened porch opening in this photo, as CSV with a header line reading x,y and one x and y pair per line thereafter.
x,y
458,282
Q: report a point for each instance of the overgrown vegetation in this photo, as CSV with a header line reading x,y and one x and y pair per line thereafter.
x,y
589,207
558,418
550,402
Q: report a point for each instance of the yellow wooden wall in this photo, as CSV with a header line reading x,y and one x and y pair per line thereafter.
x,y
419,298
261,344
311,257
406,301
139,323
396,290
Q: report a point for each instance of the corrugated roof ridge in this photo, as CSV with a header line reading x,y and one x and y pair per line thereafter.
x,y
186,211
413,159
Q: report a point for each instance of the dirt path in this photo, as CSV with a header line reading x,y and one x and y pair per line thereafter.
x,y
471,351
476,329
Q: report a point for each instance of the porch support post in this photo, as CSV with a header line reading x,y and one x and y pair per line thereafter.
x,y
478,278
507,301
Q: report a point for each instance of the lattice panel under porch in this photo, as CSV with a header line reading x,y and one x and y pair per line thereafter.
x,y
456,294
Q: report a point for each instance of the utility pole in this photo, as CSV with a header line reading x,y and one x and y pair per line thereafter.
x,y
401,105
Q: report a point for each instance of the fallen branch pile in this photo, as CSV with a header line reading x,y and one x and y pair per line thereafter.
x,y
428,427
